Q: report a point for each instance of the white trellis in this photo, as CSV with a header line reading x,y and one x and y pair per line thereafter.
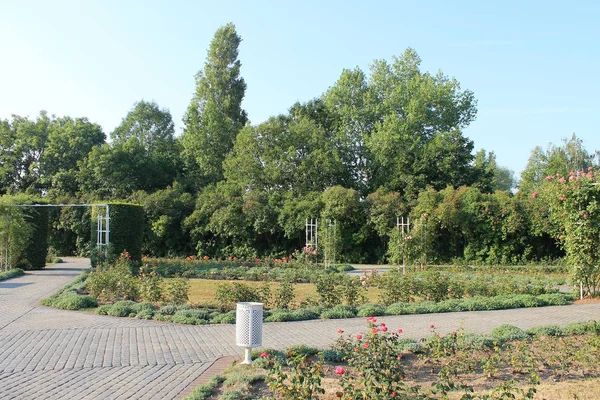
x,y
403,224
312,234
330,242
4,246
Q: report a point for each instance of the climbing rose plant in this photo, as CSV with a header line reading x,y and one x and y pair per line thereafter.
x,y
574,204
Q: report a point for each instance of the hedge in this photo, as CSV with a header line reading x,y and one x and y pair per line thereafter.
x,y
34,255
126,230
36,252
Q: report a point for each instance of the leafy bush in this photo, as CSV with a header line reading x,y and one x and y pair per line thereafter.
x,y
228,294
552,330
301,349
124,308
395,288
114,282
557,299
227,318
284,295
370,310
328,288
11,273
177,291
73,301
171,309
338,312
509,332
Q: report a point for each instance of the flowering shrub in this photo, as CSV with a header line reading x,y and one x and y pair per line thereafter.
x,y
375,365
575,207
116,282
228,294
296,377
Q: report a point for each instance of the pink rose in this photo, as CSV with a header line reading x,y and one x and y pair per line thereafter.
x,y
340,370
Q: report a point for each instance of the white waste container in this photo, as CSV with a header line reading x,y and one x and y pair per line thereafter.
x,y
248,327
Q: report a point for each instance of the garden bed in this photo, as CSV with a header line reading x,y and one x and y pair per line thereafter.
x,y
379,364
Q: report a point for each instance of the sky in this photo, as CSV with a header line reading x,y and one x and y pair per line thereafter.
x,y
532,65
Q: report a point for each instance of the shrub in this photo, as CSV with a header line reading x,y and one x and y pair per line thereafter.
x,y
284,295
226,318
398,309
338,312
334,356
150,285
103,309
301,349
171,309
176,291
379,373
509,332
395,288
303,381
126,230
552,330
11,273
228,294
73,301
557,299
328,288
114,282
370,310
123,308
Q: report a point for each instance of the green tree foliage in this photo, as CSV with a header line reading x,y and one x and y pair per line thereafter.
x,y
22,146
561,160
489,176
166,211
142,156
284,154
69,141
215,114
416,139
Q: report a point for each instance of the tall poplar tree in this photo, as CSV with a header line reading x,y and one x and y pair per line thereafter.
x,y
215,114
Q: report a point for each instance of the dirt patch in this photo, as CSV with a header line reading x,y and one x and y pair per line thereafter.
x,y
588,300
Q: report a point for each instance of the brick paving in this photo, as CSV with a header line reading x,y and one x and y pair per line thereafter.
x,y
55,354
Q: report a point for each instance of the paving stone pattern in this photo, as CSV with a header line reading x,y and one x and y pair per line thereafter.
x,y
55,354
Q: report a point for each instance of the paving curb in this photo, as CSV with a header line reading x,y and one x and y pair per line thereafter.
x,y
217,367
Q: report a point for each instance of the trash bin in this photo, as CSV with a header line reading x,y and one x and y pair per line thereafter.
x,y
248,327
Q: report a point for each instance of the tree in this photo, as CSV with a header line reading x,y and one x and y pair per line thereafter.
x,y
351,110
142,156
570,156
22,145
489,176
215,114
69,141
416,138
284,154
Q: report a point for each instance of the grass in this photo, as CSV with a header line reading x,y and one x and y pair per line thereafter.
x,y
202,291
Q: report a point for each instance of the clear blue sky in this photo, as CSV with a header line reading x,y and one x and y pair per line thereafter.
x,y
533,65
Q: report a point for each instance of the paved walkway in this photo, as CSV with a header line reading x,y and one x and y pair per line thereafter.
x,y
54,354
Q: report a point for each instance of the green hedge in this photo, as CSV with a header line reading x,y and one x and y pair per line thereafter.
x,y
126,230
11,273
36,252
